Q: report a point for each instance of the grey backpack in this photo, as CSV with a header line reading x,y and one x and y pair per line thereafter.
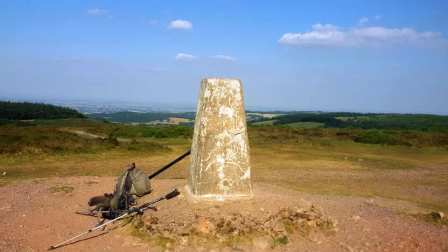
x,y
132,182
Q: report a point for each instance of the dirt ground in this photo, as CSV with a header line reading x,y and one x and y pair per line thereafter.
x,y
35,214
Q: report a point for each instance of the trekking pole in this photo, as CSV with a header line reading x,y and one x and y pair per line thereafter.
x,y
170,164
132,212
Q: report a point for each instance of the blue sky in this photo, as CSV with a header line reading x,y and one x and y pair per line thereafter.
x,y
370,56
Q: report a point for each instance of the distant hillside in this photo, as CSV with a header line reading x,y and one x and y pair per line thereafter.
x,y
28,111
183,118
360,120
136,117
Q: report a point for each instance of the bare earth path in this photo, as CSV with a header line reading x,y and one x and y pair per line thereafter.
x,y
35,214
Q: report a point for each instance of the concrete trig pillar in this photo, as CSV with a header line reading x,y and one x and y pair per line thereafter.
x,y
220,165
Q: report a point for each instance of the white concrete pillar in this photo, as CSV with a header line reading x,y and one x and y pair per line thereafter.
x,y
220,164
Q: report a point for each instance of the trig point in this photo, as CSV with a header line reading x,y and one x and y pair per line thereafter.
x,y
220,165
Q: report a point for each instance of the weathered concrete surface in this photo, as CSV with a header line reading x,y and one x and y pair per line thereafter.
x,y
220,164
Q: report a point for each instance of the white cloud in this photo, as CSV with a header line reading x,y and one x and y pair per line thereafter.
x,y
320,35
330,35
363,20
97,12
180,24
224,57
185,57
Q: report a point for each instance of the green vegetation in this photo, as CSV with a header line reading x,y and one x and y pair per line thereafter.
x,y
281,240
164,117
135,117
29,111
163,131
408,165
437,218
62,188
418,122
53,138
263,122
333,136
306,125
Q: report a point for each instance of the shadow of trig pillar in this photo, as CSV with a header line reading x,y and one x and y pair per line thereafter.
x,y
220,164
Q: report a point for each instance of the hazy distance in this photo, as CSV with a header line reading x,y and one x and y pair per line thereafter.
x,y
377,56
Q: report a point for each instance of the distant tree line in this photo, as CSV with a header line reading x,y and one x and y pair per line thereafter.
x,y
127,116
28,111
421,122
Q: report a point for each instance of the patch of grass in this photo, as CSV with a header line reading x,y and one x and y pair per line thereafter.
x,y
306,125
137,229
279,240
147,131
135,145
61,188
416,175
44,139
267,122
379,137
164,242
436,218
107,163
285,134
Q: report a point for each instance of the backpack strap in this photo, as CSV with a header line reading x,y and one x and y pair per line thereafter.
x,y
119,199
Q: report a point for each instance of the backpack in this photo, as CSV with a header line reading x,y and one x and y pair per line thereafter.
x,y
132,182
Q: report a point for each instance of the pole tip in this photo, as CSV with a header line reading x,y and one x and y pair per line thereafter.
x,y
172,194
